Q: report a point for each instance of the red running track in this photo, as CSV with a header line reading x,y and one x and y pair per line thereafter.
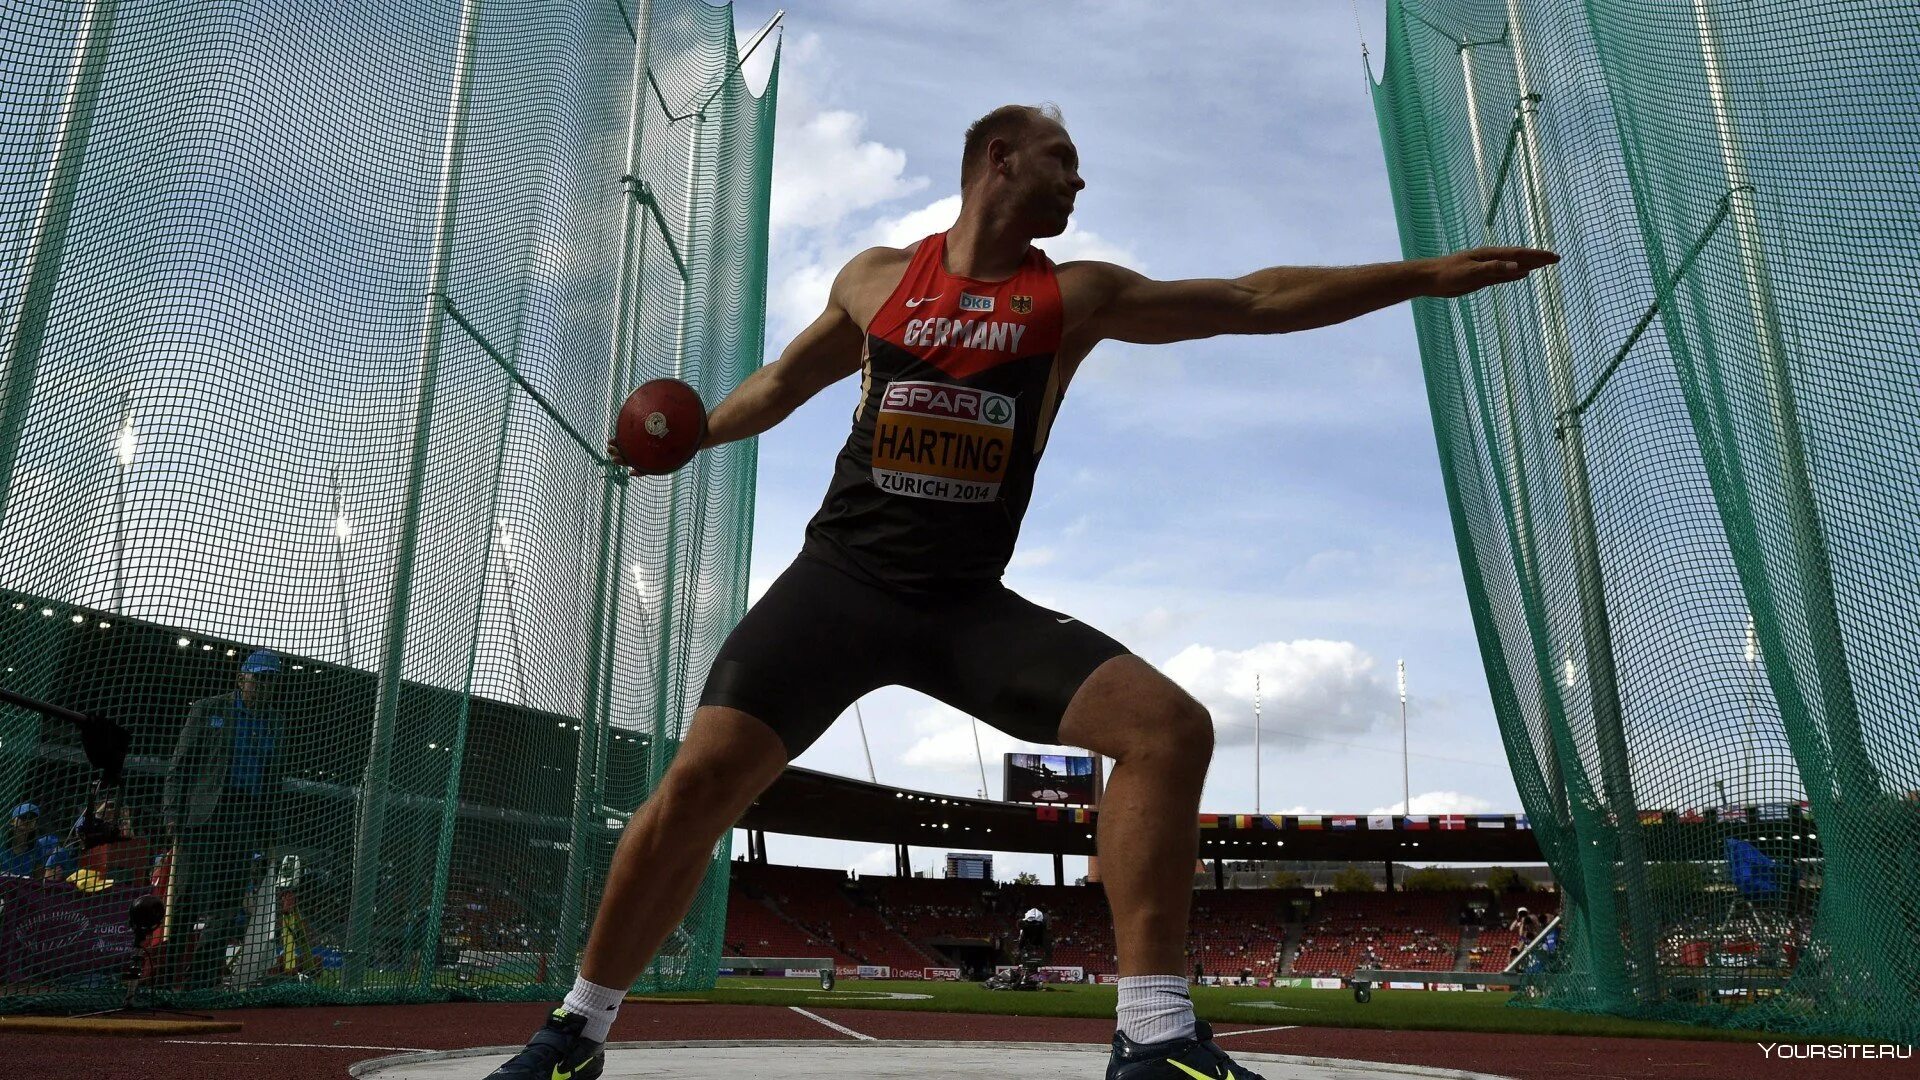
x,y
315,1043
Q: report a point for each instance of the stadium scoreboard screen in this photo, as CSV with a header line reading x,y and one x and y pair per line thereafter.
x,y
1049,778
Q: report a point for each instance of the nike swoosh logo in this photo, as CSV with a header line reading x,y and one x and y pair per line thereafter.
x,y
1188,1069
1063,621
924,300
568,1075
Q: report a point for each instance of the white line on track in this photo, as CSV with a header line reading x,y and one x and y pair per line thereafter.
x,y
1254,1031
296,1046
837,1027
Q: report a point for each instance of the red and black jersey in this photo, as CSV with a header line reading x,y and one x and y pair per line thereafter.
x,y
958,390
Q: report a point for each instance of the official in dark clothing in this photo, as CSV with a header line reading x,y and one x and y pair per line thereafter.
x,y
219,804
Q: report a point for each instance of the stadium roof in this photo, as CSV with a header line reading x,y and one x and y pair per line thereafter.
x,y
803,802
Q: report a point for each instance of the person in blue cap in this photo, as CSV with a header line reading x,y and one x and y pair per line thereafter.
x,y
218,804
30,852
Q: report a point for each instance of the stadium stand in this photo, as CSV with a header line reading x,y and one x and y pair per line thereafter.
x,y
778,910
821,903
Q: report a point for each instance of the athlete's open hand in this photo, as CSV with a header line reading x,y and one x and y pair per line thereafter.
x,y
1466,271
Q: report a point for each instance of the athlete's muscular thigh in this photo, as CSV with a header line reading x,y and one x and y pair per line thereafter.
x,y
1011,662
1128,709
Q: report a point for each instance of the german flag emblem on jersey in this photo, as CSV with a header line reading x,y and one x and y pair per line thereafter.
x,y
1020,305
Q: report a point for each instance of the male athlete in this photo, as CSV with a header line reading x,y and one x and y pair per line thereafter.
x,y
965,342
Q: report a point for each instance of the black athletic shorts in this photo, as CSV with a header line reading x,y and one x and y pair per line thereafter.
x,y
820,638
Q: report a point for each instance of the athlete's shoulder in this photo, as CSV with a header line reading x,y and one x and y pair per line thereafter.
x,y
879,260
868,278
1087,286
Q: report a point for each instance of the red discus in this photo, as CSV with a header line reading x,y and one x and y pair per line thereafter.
x,y
661,426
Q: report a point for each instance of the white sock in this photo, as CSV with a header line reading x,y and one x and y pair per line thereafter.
x,y
1155,1008
599,1004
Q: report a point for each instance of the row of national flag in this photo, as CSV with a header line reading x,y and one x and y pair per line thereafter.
x,y
1363,822
1730,815
1782,811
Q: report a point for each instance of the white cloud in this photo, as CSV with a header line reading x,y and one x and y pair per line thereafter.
x,y
1443,802
1078,243
824,168
1319,687
1032,556
903,229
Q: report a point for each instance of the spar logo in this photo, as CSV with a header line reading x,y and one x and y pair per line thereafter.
x,y
943,399
936,440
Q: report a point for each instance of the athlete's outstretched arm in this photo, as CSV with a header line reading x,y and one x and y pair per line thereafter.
x,y
819,356
1122,305
824,353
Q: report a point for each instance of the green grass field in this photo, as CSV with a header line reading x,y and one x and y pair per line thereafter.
x,y
1399,1009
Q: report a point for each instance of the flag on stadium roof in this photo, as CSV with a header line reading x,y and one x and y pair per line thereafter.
x,y
1345,823
1776,811
1379,821
1520,822
1271,821
1209,821
1417,822
1486,821
1082,816
1309,821
1730,813
1453,821
1691,816
1046,813
1806,809
1653,817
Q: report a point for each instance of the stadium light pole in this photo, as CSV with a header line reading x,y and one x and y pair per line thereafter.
x,y
1256,743
435,922
978,757
1406,771
862,722
1752,652
342,532
371,813
126,445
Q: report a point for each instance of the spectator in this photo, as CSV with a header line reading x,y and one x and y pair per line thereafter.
x,y
32,853
1524,924
218,801
104,822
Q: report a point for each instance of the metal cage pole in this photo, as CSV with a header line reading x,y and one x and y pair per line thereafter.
x,y
373,789
1518,491
573,903
1589,580
46,247
1856,779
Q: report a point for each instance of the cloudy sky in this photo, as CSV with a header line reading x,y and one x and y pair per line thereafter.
x,y
1231,508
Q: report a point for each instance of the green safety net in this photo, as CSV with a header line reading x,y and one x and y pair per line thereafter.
x,y
1684,475
314,323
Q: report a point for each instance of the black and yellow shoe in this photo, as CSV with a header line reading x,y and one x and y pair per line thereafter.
x,y
1193,1058
557,1051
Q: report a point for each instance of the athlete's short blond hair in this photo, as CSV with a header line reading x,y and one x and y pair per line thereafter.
x,y
1009,122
